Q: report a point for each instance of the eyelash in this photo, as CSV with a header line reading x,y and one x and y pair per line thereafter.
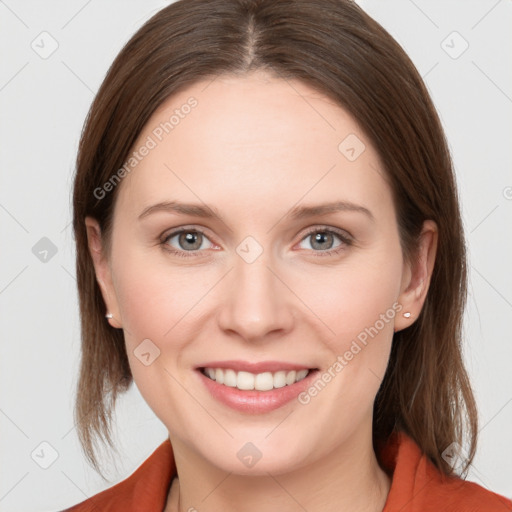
x,y
332,252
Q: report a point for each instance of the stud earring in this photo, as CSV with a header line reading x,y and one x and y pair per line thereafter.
x,y
407,314
109,315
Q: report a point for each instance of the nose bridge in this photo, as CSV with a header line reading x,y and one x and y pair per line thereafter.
x,y
256,302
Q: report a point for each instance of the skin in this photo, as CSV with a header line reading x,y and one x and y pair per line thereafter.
x,y
253,148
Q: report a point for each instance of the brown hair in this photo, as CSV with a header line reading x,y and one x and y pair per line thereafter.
x,y
336,48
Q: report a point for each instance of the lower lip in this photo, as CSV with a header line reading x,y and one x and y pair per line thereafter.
x,y
256,402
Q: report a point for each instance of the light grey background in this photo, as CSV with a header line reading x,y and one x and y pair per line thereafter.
x,y
43,105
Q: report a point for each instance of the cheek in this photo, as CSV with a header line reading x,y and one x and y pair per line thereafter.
x,y
156,303
357,305
355,295
154,296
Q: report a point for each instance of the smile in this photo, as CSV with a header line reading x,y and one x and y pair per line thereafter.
x,y
256,393
247,381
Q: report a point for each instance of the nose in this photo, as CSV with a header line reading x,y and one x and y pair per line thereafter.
x,y
256,303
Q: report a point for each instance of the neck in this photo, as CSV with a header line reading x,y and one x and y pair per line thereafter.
x,y
347,478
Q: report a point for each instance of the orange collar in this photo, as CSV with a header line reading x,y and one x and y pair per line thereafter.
x,y
417,486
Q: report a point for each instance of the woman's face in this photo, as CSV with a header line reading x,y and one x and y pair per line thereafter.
x,y
268,280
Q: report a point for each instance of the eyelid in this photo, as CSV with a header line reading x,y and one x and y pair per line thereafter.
x,y
343,233
176,231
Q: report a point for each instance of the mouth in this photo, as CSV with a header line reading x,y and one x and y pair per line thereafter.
x,y
248,381
256,393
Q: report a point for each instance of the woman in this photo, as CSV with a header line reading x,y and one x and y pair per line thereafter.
x,y
266,213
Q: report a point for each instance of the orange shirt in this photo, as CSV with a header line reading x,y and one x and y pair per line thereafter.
x,y
416,485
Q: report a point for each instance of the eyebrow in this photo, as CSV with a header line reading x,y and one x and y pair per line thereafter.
x,y
297,212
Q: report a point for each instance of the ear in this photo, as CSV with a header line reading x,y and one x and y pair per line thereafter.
x,y
103,270
416,276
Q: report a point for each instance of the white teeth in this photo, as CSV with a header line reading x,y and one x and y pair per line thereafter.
x,y
261,382
290,377
219,376
244,380
280,379
301,374
230,378
264,381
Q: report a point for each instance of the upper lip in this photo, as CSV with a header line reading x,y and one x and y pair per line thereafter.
x,y
260,367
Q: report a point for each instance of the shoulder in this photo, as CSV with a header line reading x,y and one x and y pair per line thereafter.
x,y
465,496
145,489
417,485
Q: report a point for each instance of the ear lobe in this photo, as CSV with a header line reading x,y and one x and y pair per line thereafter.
x,y
102,269
417,282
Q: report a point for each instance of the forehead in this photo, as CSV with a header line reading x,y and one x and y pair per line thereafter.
x,y
256,141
